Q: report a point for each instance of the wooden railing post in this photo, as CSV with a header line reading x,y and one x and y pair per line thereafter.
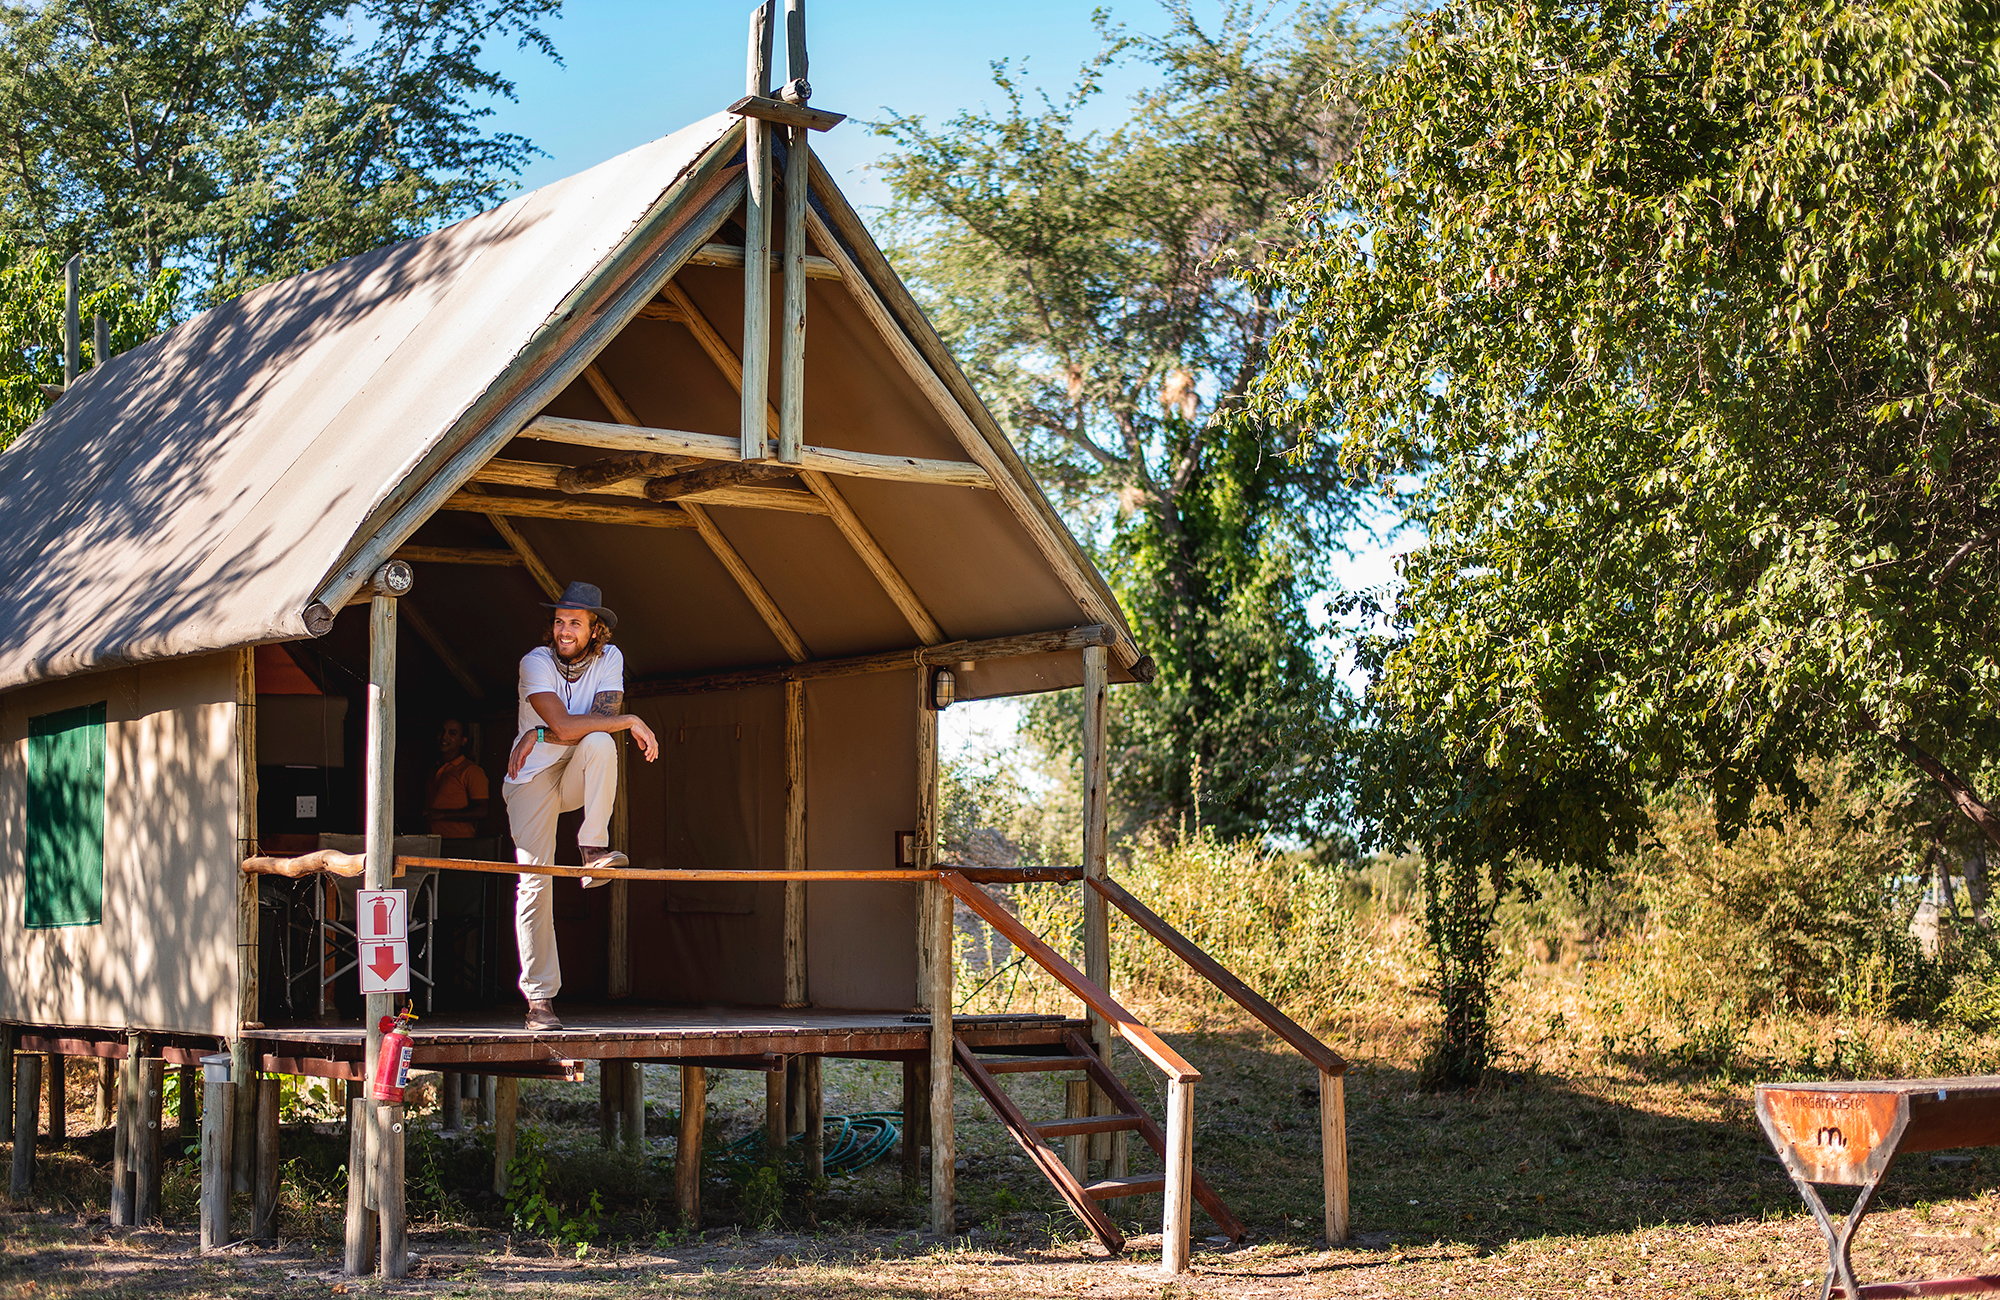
x,y
1333,1153
1178,1210
1096,857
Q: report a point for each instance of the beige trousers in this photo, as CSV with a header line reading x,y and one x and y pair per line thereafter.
x,y
585,777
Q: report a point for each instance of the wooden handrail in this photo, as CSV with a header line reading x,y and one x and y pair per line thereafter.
x,y
1144,1041
1296,1035
752,876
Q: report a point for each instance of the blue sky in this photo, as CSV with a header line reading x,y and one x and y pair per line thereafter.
x,y
636,69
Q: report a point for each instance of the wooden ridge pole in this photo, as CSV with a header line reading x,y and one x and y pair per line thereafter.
x,y
757,242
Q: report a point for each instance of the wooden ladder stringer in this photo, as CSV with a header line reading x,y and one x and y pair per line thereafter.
x,y
1045,1157
1107,1081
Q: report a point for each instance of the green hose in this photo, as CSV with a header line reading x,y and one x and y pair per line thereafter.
x,y
851,1142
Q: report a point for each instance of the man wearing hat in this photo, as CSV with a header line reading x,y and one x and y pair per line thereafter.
x,y
572,701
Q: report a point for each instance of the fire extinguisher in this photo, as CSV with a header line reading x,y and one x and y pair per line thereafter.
x,y
392,1062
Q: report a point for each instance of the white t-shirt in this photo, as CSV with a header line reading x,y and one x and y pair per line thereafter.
x,y
604,672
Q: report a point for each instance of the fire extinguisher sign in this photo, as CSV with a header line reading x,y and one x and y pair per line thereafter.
x,y
382,936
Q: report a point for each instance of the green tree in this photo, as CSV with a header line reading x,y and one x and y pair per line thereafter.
x,y
31,327
1683,313
1092,282
248,140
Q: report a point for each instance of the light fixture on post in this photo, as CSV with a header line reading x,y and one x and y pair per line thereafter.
x,y
944,689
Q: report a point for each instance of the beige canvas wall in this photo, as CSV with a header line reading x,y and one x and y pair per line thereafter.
x,y
164,955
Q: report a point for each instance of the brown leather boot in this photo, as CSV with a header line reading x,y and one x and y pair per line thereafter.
x,y
542,1015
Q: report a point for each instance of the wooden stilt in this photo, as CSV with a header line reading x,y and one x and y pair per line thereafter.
x,y
27,1098
687,1145
124,1143
358,1256
217,1130
813,1085
633,1126
106,1086
506,1116
937,941
58,1091
390,1217
243,1064
489,1093
1178,1211
1076,1148
243,1147
187,1100
795,844
610,1102
774,1114
151,1073
6,1070
264,1200
1333,1153
451,1101
1096,855
916,1116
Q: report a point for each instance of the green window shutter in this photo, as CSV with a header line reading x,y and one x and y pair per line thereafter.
x,y
66,818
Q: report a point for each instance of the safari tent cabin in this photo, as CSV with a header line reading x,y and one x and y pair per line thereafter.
x,y
252,563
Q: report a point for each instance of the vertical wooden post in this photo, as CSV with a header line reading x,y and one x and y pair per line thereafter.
x,y
1096,912
150,1072
792,314
389,1203
58,1091
936,900
243,1064
757,244
7,1070
124,1140
217,1130
506,1119
1176,1214
634,1093
916,1107
264,1200
27,1096
489,1095
814,1085
1333,1153
795,844
687,1145
618,944
451,1101
610,1102
774,1113
187,1100
386,1131
72,319
359,1254
107,1075
1076,1150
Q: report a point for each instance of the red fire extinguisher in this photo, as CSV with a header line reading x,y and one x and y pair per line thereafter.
x,y
392,1064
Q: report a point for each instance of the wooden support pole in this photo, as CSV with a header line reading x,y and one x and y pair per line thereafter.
x,y
390,1213
72,320
633,1126
105,1086
451,1102
58,1091
1333,1153
796,994
243,1063
151,1073
264,1201
7,1033
792,314
187,1100
1096,856
489,1098
243,1147
218,1121
687,1145
757,243
1176,1215
506,1120
27,1096
812,1082
124,1140
618,942
936,940
916,1113
774,1114
610,1102
358,1256
1076,1105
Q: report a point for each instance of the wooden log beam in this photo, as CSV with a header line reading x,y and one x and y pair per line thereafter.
x,y
308,864
730,257
778,111
478,555
591,512
687,483
749,876
947,655
709,446
543,477
604,472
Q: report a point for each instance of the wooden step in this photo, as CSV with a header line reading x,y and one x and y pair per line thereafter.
x,y
1031,1064
1107,1189
1056,1128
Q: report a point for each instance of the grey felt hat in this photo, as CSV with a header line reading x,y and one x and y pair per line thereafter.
x,y
584,595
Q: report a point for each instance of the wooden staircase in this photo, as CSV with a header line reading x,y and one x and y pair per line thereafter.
x,y
1036,1137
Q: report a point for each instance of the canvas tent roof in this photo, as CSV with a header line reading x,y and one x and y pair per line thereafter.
x,y
202,491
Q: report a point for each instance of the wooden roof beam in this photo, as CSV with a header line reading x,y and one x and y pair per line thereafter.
x,y
609,471
709,446
723,474
731,257
543,477
950,654
589,512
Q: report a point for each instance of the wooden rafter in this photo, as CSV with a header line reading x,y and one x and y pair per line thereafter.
x,y
590,512
865,546
481,555
709,446
544,477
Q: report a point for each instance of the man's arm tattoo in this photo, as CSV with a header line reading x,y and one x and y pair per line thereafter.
x,y
608,703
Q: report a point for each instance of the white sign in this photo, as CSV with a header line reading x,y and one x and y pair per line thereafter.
x,y
381,915
385,967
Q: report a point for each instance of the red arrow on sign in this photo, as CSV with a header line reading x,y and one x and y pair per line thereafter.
x,y
386,962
